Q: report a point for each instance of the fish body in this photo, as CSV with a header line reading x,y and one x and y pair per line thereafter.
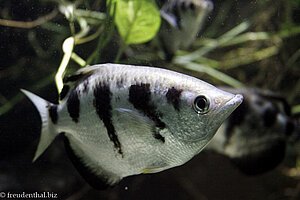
x,y
121,120
256,134
181,22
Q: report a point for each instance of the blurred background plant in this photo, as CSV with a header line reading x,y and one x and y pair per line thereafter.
x,y
243,43
236,49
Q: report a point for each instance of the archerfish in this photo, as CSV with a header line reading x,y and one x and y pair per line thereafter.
x,y
181,22
121,120
256,134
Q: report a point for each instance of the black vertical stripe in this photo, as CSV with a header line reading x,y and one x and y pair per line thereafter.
x,y
120,82
192,6
102,103
173,96
73,105
140,97
270,115
86,85
52,109
159,137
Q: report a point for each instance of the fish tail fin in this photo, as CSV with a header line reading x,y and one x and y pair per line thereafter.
x,y
48,132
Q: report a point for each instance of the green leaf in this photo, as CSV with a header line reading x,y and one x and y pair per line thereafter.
x,y
137,21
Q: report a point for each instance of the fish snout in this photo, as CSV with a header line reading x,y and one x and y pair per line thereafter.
x,y
224,110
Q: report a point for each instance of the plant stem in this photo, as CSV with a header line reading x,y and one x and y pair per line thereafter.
x,y
106,35
214,44
249,58
120,52
213,73
28,25
68,46
78,59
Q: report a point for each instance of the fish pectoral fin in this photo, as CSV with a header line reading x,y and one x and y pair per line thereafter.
x,y
129,122
134,119
89,171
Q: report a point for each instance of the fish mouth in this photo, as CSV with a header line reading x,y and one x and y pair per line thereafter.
x,y
225,109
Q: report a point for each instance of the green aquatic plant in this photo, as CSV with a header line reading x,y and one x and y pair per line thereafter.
x,y
138,21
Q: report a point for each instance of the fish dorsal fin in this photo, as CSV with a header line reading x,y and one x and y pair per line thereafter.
x,y
136,123
73,80
84,72
97,181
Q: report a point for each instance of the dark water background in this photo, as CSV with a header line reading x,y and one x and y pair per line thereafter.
x,y
29,59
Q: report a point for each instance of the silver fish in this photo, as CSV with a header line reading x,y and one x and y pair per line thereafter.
x,y
256,134
122,120
181,22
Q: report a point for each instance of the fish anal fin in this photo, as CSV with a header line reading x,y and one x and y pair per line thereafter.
x,y
152,170
99,182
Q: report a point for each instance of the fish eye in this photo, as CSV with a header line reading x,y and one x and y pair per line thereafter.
x,y
201,104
